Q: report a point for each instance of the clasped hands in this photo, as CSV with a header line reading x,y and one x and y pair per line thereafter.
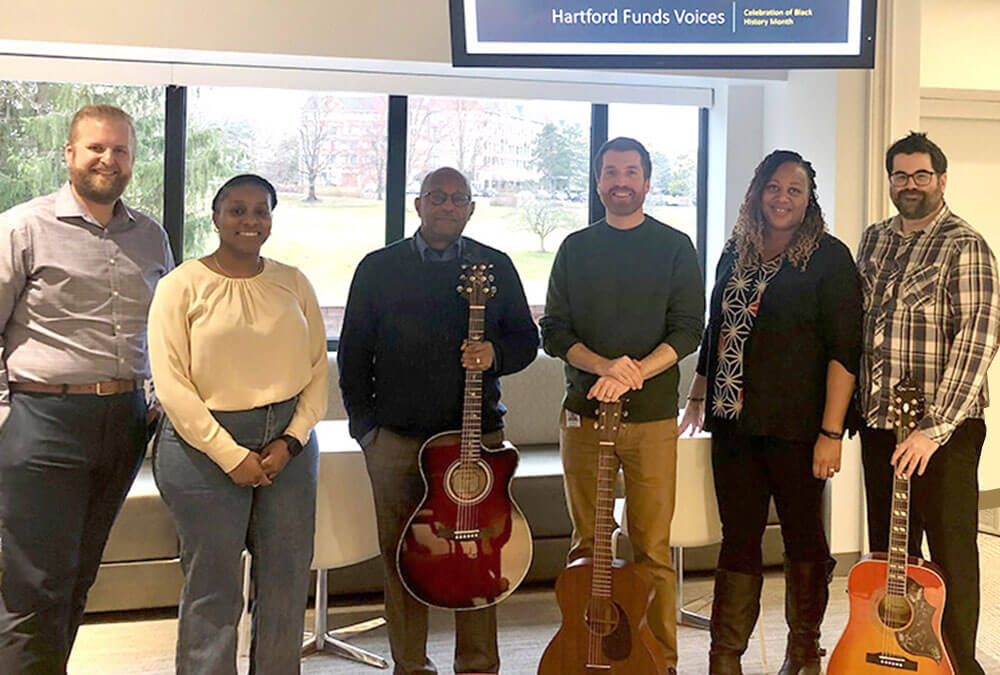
x,y
615,378
260,470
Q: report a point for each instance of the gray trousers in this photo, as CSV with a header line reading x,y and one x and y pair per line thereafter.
x,y
66,463
216,519
398,490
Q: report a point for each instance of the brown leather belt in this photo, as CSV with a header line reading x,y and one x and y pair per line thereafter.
x,y
100,388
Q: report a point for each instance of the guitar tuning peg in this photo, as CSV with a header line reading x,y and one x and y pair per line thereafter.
x,y
491,277
465,266
460,288
462,277
490,266
597,424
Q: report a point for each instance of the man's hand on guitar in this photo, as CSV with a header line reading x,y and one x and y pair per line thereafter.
x,y
624,369
608,389
477,355
913,454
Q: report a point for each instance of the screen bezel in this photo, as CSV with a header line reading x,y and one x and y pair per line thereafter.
x,y
460,56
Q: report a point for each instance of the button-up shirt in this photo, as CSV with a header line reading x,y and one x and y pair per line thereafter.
x,y
74,294
932,311
454,250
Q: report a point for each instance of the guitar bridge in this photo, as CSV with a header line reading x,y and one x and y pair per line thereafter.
x,y
891,661
466,535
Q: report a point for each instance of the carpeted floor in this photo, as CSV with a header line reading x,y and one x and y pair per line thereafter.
x,y
143,642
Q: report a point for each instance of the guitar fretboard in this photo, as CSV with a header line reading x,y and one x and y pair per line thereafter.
x,y
472,406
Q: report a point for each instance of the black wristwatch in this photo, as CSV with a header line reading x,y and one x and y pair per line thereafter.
x,y
294,446
831,434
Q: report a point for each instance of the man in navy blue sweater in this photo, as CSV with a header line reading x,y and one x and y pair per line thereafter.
x,y
402,360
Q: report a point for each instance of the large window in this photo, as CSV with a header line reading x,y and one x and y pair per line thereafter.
x,y
329,154
527,163
670,134
36,117
325,153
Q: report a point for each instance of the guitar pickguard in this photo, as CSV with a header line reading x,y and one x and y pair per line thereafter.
x,y
918,637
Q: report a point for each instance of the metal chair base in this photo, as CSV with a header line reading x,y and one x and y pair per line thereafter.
x,y
322,640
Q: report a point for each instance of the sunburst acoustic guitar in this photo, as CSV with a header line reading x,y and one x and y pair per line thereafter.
x,y
604,600
467,545
896,600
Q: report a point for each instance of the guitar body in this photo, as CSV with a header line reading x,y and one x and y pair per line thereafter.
x,y
625,642
468,544
910,640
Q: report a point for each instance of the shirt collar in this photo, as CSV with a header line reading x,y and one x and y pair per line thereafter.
x,y
428,254
68,207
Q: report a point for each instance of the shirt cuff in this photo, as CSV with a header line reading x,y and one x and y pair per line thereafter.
x,y
937,429
368,437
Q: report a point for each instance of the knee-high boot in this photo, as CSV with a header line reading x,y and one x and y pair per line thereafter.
x,y
735,607
806,594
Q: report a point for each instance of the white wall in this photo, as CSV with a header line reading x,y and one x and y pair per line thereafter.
x,y
958,49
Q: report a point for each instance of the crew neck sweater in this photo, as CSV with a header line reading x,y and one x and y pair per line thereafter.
x,y
399,354
624,292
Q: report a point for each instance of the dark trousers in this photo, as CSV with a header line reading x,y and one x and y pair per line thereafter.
x,y
66,464
749,471
398,489
944,505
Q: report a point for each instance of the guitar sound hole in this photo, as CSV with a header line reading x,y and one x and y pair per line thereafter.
x,y
895,612
602,616
468,482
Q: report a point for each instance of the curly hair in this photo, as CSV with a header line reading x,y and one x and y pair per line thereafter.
x,y
747,240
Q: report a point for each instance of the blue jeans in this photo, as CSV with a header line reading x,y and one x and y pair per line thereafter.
x,y
216,519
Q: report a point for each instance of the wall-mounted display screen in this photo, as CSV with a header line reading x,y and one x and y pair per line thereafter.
x,y
664,33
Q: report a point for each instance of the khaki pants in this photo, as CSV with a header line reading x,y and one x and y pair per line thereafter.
x,y
647,452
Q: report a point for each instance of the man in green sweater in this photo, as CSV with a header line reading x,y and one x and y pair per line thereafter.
x,y
625,303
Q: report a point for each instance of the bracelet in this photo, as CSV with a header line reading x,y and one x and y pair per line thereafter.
x,y
831,434
696,399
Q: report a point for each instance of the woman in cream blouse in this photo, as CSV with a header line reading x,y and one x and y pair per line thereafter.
x,y
237,347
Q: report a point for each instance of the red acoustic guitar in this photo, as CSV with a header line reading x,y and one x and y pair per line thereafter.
x,y
896,601
604,600
467,545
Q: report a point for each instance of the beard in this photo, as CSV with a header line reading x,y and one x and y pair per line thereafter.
x,y
623,208
916,209
97,188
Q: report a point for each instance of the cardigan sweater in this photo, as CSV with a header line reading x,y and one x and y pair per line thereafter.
x,y
806,319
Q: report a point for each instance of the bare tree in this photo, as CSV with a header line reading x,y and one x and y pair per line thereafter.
x,y
314,135
542,218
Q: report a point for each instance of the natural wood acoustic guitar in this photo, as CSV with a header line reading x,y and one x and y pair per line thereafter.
x,y
467,545
604,600
896,601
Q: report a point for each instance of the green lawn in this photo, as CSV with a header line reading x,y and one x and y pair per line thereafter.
x,y
327,239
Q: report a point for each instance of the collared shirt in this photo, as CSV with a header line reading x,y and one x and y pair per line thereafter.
x,y
74,295
932,311
427,254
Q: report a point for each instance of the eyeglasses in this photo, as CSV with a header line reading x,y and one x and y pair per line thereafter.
x,y
920,178
439,197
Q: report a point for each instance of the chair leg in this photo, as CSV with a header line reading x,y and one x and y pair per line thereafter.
x,y
243,627
684,617
323,640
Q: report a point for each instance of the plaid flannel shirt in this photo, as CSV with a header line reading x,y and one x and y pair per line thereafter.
x,y
932,311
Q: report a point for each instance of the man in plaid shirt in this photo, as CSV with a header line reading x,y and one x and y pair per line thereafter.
x,y
932,312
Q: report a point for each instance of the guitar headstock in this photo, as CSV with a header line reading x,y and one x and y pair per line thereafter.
x,y
477,283
907,406
610,418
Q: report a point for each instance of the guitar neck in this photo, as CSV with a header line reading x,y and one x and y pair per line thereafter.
x,y
604,523
472,406
899,530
